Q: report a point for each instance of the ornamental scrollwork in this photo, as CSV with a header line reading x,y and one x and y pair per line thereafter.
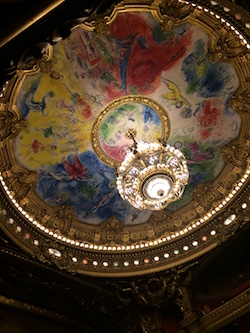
x,y
44,64
207,195
101,27
163,221
99,23
61,220
236,154
10,123
228,46
84,234
223,233
20,182
56,254
35,210
157,291
5,162
241,101
111,232
173,12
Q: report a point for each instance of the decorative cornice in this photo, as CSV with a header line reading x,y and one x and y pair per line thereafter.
x,y
168,238
226,313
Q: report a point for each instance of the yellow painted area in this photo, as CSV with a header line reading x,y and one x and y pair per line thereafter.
x,y
173,95
53,136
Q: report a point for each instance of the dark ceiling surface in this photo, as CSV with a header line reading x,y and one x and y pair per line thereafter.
x,y
21,19
84,299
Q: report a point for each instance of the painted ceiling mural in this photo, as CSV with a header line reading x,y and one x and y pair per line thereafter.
x,y
134,58
167,70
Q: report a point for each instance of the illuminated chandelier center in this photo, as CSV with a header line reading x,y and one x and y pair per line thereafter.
x,y
152,175
157,187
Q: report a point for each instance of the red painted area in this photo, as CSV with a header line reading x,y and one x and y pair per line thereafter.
x,y
205,134
113,92
75,170
117,153
90,50
86,112
147,58
36,146
210,115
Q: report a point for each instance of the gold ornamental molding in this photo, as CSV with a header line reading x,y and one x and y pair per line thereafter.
x,y
226,313
167,239
168,13
118,104
219,318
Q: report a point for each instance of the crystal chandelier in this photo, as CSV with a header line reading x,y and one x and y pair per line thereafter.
x,y
152,175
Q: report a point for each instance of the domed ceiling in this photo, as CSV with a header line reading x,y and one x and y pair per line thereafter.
x,y
170,70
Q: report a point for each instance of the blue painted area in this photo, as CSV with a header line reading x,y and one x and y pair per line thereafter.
x,y
124,48
150,116
205,78
28,95
93,195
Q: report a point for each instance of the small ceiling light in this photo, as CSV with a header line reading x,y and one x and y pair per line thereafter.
x,y
230,219
244,205
54,252
152,175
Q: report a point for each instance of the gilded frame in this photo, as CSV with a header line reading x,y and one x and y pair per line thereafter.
x,y
119,102
91,244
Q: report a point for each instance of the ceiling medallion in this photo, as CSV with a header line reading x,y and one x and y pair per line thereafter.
x,y
152,175
141,113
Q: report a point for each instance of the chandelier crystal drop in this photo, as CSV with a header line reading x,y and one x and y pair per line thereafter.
x,y
152,175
